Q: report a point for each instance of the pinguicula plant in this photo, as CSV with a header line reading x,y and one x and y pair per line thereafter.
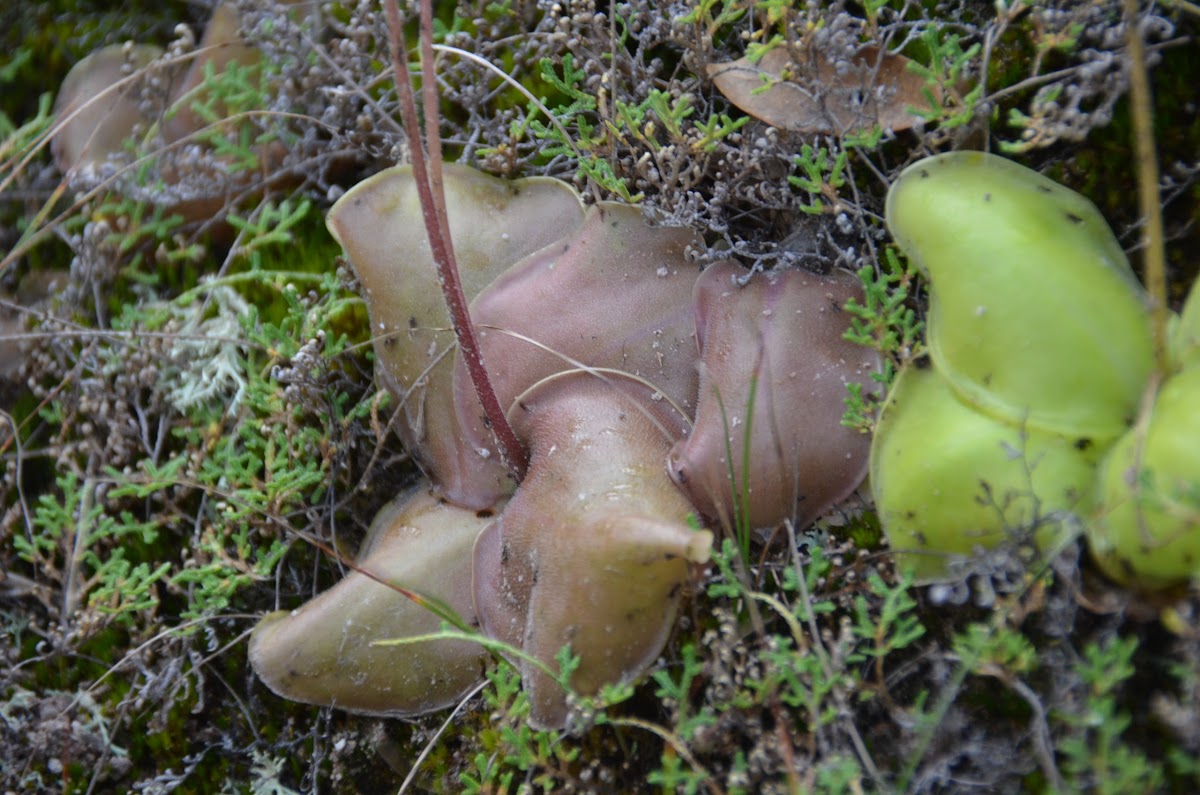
x,y
1043,369
577,337
593,347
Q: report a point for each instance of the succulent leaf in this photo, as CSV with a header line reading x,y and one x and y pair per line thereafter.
x,y
1146,529
594,548
949,479
221,45
614,294
780,335
1035,315
105,100
322,652
97,116
493,223
1185,336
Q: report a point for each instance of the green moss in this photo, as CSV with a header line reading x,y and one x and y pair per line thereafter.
x,y
41,41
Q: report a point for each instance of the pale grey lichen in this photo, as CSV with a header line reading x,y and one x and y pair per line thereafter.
x,y
206,360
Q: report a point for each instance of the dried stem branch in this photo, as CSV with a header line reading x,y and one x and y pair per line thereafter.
x,y
433,210
1147,178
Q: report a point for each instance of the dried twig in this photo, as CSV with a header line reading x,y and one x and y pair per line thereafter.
x,y
1147,178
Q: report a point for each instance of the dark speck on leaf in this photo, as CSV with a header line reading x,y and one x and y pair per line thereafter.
x,y
486,513
924,173
987,197
1073,218
1044,189
412,322
1083,444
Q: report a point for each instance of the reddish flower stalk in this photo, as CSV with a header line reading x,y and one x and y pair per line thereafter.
x,y
433,210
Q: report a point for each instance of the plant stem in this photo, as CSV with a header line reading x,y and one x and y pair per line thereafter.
x,y
1147,176
433,210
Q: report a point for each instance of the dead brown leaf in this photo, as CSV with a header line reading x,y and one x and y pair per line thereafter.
x,y
824,96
